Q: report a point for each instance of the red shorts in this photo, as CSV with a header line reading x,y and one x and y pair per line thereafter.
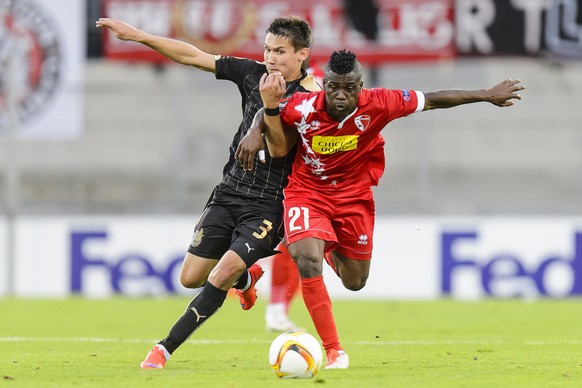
x,y
344,221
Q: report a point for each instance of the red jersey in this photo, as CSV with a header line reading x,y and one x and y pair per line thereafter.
x,y
348,154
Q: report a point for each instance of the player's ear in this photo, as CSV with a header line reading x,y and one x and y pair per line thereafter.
x,y
304,54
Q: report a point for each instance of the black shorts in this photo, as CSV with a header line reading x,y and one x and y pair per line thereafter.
x,y
248,227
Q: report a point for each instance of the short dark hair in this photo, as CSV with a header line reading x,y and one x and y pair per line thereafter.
x,y
296,29
342,62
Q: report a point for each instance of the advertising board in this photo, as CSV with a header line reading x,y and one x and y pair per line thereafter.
x,y
414,258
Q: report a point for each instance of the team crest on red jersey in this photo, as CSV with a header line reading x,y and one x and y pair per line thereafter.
x,y
362,122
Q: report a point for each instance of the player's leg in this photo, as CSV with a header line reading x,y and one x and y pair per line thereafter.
x,y
195,270
308,229
230,268
245,286
199,310
309,255
238,245
354,228
210,242
225,274
352,272
215,227
284,285
254,239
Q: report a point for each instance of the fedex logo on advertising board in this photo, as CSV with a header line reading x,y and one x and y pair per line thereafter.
x,y
463,258
96,266
508,273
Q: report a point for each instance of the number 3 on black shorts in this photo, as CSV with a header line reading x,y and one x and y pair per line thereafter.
x,y
264,230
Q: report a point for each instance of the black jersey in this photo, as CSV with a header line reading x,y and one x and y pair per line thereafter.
x,y
267,180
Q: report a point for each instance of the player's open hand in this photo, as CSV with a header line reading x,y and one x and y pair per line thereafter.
x,y
250,144
502,93
272,87
120,29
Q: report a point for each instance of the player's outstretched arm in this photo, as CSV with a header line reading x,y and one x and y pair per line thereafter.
x,y
500,95
176,50
279,141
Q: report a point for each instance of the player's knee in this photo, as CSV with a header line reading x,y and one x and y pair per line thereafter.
x,y
192,279
226,273
355,284
309,265
189,281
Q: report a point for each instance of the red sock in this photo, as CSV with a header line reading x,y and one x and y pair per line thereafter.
x,y
284,278
318,304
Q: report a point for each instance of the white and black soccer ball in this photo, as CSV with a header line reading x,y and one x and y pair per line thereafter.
x,y
295,355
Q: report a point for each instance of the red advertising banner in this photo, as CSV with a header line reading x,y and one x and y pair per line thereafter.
x,y
402,30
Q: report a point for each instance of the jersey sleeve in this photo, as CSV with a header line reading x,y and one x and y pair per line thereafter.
x,y
287,109
233,69
400,102
285,112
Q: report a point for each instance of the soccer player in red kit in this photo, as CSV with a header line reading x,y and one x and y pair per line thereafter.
x,y
285,279
329,205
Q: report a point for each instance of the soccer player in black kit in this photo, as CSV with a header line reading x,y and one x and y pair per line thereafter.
x,y
241,222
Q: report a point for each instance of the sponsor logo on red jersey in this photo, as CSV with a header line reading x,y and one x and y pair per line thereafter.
x,y
331,144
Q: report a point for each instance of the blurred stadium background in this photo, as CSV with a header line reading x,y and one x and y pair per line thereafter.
x,y
108,152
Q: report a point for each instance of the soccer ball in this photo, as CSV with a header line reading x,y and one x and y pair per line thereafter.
x,y
295,355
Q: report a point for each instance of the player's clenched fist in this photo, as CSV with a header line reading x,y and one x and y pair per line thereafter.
x,y
272,87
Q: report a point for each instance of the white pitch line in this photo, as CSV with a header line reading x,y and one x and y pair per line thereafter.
x,y
234,342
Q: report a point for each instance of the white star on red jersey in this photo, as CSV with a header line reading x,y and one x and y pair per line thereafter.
x,y
306,107
303,126
317,163
307,159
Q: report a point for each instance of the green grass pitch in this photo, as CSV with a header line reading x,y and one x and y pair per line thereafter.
x,y
99,343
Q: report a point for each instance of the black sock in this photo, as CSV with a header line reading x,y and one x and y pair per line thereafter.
x,y
242,280
202,307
